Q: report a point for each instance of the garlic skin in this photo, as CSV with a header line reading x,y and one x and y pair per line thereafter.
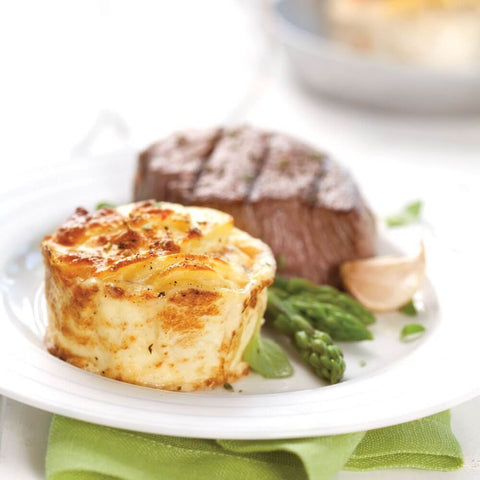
x,y
384,284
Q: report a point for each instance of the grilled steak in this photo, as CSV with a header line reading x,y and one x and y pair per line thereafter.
x,y
300,202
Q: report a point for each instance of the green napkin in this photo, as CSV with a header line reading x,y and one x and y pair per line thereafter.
x,y
82,451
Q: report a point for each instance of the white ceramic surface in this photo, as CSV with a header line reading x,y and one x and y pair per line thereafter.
x,y
334,70
400,382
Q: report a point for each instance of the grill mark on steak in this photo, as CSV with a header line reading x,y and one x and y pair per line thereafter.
x,y
259,170
168,168
299,201
288,170
280,213
203,164
232,167
312,193
339,210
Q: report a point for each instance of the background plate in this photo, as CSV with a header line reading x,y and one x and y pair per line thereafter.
x,y
400,382
329,67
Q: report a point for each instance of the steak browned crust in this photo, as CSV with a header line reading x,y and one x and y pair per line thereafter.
x,y
299,201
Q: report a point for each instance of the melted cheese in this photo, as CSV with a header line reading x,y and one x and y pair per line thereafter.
x,y
155,294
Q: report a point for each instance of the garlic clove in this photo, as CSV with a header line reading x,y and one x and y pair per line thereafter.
x,y
384,284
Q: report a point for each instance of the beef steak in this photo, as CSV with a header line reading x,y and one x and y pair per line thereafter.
x,y
299,201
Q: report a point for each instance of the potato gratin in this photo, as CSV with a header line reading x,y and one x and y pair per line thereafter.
x,y
155,294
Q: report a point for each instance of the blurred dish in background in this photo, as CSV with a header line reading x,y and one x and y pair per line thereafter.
x,y
434,33
402,80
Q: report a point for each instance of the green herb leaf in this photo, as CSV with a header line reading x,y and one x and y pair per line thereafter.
x,y
281,262
228,387
104,205
409,309
409,214
411,332
362,363
267,358
414,208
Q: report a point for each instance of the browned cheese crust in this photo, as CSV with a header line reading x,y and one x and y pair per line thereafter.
x,y
155,294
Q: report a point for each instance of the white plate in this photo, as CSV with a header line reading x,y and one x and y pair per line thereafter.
x,y
400,382
333,69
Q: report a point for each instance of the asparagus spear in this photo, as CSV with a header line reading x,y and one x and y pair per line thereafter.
x,y
315,347
339,324
325,359
325,294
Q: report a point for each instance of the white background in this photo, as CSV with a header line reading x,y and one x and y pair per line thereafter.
x,y
93,76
